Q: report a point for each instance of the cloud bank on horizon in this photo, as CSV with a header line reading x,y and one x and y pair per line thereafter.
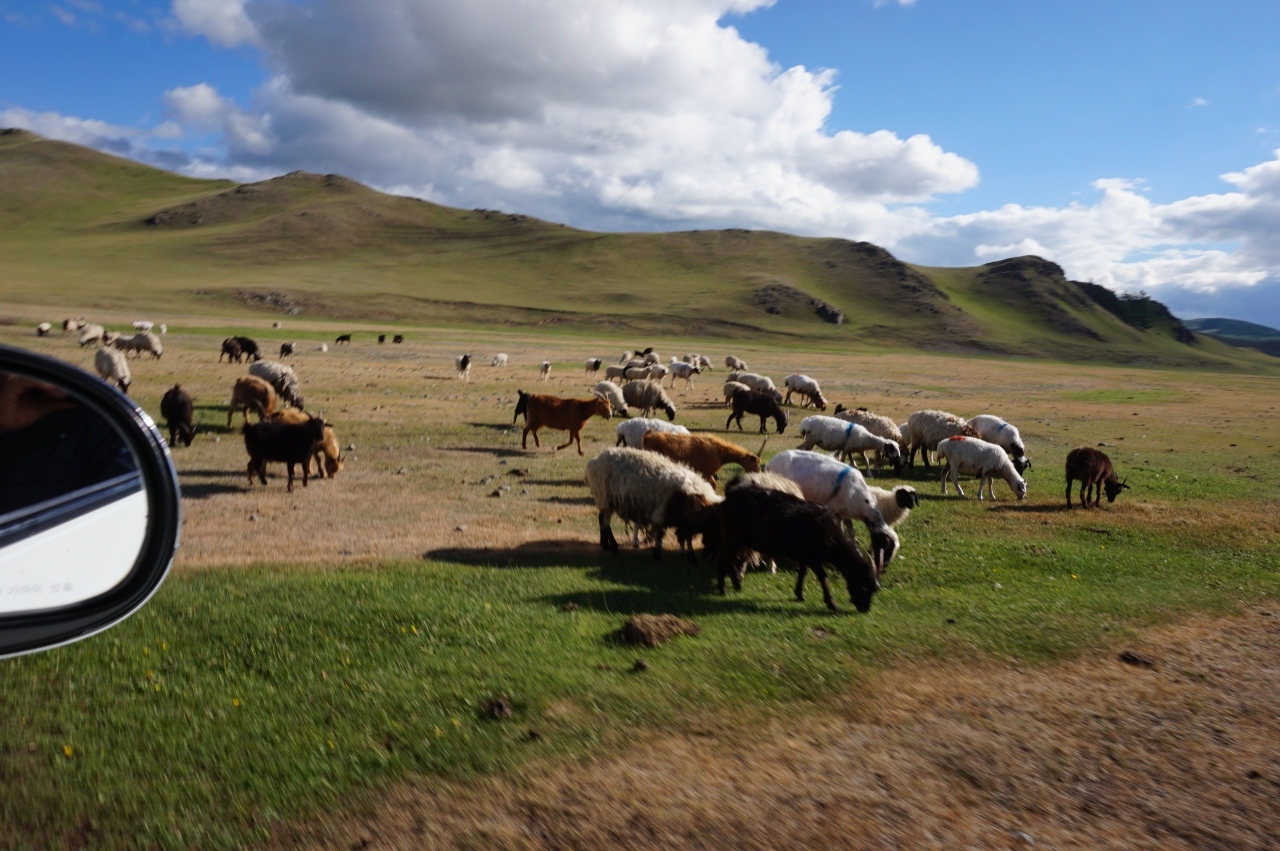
x,y
651,114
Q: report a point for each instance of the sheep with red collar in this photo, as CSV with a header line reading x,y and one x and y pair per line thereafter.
x,y
846,439
841,488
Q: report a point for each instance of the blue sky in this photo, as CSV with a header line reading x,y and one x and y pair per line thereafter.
x,y
1094,133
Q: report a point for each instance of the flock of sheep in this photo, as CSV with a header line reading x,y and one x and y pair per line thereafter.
x,y
802,505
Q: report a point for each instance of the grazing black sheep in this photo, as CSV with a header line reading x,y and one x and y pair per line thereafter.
x,y
230,350
248,348
777,524
382,338
276,440
398,338
177,410
286,349
761,404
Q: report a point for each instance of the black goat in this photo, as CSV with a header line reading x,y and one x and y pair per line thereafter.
x,y
287,349
382,338
231,350
764,405
776,524
398,338
1094,470
248,348
177,410
290,443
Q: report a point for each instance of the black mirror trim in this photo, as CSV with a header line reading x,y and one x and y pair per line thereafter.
x,y
27,632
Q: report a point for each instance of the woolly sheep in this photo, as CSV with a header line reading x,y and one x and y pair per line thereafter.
x,y
632,432
113,367
112,338
685,371
652,358
704,362
462,367
805,386
650,492
657,372
544,371
282,378
731,387
845,439
612,372
734,363
73,324
592,365
842,489
985,460
143,325
90,334
993,429
610,391
755,381
926,428
500,359
636,373
143,341
879,426
43,329
646,396
896,504
164,329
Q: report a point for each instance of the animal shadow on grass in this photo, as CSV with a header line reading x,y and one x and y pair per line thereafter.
x,y
221,474
1034,507
204,491
569,500
544,553
499,451
556,482
502,427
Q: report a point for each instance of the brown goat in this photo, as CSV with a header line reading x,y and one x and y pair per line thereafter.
x,y
250,391
1094,471
705,454
327,453
561,414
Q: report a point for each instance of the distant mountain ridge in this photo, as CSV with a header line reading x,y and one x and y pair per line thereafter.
x,y
86,229
1237,332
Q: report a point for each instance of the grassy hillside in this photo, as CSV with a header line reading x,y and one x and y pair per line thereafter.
x,y
86,231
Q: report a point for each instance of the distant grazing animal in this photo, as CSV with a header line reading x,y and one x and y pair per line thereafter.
x,y
73,324
593,365
755,381
462,367
880,426
382,338
1094,472
806,387
986,460
342,338
763,405
145,341
731,387
610,391
327,453
276,324
847,439
289,443
250,391
164,329
282,378
398,338
615,372
323,347
705,454
91,334
653,494
230,350
777,524
110,337
993,429
632,432
560,414
704,362
544,371
143,325
925,429
648,396
178,411
287,349
500,359
43,329
735,363
686,371
249,348
113,367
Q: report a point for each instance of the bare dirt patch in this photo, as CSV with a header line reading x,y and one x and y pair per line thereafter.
x,y
1087,754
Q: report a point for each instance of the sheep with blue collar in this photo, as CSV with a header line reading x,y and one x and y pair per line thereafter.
x,y
995,430
846,439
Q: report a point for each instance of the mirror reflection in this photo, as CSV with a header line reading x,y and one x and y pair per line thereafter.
x,y
73,512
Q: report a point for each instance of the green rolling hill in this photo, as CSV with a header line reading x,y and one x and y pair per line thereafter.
x,y
84,230
1236,332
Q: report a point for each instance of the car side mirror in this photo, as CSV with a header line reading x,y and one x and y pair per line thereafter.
x,y
90,509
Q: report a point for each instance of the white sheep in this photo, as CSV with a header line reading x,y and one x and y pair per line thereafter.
x,y
985,460
651,492
636,373
143,341
143,325
841,488
894,504
845,439
704,362
593,365
735,363
462,367
995,430
112,338
804,385
164,329
879,426
90,334
652,358
612,372
646,396
500,359
544,371
323,347
282,378
632,432
731,387
685,371
755,381
926,428
73,324
113,367
43,329
657,372
610,391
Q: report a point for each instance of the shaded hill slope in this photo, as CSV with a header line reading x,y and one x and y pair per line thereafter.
x,y
1235,332
85,229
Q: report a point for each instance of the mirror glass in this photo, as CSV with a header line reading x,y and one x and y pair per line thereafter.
x,y
73,508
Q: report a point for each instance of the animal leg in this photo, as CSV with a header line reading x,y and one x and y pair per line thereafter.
x,y
955,480
659,533
763,421
290,477
607,542
821,573
1068,494
567,442
804,570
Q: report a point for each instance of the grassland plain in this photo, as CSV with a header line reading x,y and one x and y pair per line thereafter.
x,y
317,653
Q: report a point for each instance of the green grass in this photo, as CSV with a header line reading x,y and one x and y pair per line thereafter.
x,y
1123,395
241,699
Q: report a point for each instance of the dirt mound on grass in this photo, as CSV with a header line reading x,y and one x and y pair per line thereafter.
x,y
652,630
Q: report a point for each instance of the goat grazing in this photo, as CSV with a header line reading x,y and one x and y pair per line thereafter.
x,y
251,391
1094,472
230,350
342,339
287,349
763,405
177,409
289,443
705,454
560,414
